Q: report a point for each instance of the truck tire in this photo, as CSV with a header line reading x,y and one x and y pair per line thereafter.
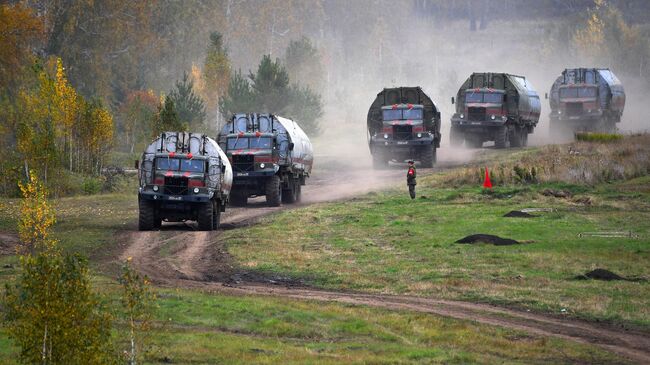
x,y
298,192
147,215
157,221
428,157
273,191
455,137
216,214
524,137
515,137
289,195
501,137
204,218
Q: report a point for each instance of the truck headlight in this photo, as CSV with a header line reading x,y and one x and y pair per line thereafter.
x,y
462,116
385,135
493,117
559,112
196,190
262,165
419,135
155,188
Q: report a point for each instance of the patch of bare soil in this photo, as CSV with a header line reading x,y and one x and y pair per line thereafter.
x,y
179,256
8,243
487,238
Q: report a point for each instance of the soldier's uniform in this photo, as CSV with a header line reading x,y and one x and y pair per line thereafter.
x,y
411,174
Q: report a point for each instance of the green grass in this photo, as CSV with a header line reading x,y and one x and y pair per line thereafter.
x,y
195,327
597,137
387,243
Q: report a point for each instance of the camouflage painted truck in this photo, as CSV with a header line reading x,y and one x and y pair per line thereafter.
x,y
586,99
271,156
183,177
497,107
403,124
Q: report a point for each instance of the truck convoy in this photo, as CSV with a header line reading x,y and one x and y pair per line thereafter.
x,y
183,176
270,155
497,107
403,123
586,99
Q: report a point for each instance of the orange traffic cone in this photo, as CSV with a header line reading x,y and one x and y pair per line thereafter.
x,y
487,183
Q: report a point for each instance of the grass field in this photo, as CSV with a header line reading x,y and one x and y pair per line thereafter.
x,y
387,243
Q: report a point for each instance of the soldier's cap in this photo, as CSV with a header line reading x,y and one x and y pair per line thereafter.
x,y
410,161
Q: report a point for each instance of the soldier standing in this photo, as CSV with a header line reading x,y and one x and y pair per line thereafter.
x,y
410,179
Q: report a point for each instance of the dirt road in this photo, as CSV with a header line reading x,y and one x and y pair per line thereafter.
x,y
178,256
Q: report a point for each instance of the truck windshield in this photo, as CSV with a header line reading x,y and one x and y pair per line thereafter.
x,y
253,142
403,114
478,97
180,164
578,92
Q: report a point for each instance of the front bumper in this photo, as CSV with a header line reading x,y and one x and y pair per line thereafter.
x,y
253,174
166,198
378,142
585,117
471,124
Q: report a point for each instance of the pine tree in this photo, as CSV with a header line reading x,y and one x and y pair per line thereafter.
x,y
270,86
216,72
240,98
166,119
306,109
189,106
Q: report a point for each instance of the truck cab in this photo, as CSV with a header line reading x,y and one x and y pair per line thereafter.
x,y
484,106
578,101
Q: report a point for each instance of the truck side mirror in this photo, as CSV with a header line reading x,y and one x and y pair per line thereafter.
x,y
137,164
223,169
452,100
545,95
291,145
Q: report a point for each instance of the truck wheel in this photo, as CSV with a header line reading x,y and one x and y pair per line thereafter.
x,y
298,192
501,138
524,138
204,219
216,214
146,216
427,157
289,195
455,137
238,200
273,191
515,137
157,221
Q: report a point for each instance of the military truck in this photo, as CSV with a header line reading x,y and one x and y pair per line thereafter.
x,y
403,124
271,156
586,99
183,176
497,107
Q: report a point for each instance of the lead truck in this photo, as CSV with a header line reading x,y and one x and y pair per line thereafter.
x,y
183,177
403,124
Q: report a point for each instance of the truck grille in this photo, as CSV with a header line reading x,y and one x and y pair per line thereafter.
x,y
242,163
175,185
573,109
402,132
477,114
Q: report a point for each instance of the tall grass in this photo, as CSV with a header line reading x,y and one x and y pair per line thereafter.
x,y
581,163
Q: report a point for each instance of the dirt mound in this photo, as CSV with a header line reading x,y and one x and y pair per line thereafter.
x,y
605,275
487,238
557,193
8,243
519,214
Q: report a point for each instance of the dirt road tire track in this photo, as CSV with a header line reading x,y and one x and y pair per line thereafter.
x,y
192,265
